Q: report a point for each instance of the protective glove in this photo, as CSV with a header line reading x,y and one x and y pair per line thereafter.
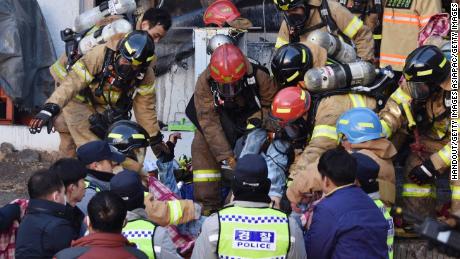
x,y
163,151
423,173
229,162
44,117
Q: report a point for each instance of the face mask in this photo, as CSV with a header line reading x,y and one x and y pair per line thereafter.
x,y
419,91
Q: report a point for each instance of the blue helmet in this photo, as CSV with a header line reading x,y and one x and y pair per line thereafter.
x,y
359,125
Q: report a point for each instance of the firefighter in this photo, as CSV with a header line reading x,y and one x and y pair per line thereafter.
x,y
360,131
154,21
231,96
102,87
324,111
403,20
369,11
249,227
421,105
223,13
130,139
303,16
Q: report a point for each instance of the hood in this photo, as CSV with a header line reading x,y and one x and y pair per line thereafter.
x,y
383,148
101,240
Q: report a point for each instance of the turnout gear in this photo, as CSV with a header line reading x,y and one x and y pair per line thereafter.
x,y
336,49
90,17
424,173
221,122
129,138
217,41
403,21
425,70
331,16
359,125
220,12
339,76
44,117
290,62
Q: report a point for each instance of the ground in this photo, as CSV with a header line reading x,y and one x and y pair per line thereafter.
x,y
16,168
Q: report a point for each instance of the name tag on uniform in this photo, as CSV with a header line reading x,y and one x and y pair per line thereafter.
x,y
400,4
254,240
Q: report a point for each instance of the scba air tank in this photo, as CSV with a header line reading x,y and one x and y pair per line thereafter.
x,y
103,34
336,48
89,18
339,76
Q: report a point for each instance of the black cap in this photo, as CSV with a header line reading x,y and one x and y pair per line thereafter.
x,y
367,171
128,185
250,181
98,150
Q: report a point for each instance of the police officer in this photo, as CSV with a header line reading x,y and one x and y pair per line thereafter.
x,y
421,105
153,240
248,226
303,16
231,96
102,87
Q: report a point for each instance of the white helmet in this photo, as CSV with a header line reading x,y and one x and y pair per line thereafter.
x,y
218,40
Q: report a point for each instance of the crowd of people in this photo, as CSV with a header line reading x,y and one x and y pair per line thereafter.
x,y
294,161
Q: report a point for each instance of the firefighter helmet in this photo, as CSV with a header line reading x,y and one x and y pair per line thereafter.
x,y
220,12
290,104
136,50
290,63
127,135
228,66
359,125
284,5
217,41
425,70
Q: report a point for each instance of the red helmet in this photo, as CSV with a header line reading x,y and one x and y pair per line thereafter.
x,y
219,12
290,104
228,66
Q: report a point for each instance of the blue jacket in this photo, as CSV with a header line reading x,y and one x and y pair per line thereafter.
x,y
44,231
347,224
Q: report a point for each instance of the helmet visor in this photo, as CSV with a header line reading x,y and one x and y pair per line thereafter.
x,y
229,90
125,70
418,90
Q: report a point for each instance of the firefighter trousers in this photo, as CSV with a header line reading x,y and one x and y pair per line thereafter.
x,y
206,175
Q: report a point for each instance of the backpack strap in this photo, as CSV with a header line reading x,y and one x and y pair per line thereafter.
x,y
136,252
72,252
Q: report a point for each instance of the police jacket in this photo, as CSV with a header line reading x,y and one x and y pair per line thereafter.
x,y
161,243
347,224
206,244
43,223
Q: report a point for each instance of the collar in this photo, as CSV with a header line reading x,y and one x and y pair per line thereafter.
x,y
250,204
46,207
374,195
102,176
339,188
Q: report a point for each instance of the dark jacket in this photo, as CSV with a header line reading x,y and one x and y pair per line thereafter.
x,y
96,181
44,231
101,245
347,224
8,214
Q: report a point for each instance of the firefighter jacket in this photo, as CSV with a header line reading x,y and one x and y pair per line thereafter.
x,y
402,22
209,118
83,74
324,135
350,25
368,9
207,244
172,212
398,114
